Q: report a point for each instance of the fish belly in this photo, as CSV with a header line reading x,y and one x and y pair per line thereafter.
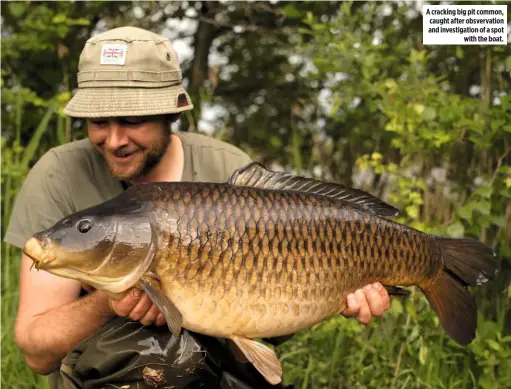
x,y
249,312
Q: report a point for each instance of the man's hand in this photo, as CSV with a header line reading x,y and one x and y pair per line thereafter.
x,y
137,306
365,303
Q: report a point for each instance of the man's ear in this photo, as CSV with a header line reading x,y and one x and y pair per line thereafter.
x,y
171,118
174,117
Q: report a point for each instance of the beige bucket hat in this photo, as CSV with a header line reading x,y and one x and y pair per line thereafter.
x,y
128,71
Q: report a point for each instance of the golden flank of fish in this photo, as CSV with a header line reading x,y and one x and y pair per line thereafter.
x,y
264,255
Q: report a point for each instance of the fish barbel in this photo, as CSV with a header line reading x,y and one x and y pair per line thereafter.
x,y
264,255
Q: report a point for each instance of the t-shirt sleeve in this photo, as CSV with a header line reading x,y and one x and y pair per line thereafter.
x,y
44,199
235,161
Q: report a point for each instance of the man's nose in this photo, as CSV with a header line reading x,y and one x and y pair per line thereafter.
x,y
116,136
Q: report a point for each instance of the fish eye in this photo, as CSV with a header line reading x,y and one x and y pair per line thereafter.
x,y
84,226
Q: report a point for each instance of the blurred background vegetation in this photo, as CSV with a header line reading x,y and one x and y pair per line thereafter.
x,y
339,91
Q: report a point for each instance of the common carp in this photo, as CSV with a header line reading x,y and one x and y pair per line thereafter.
x,y
263,255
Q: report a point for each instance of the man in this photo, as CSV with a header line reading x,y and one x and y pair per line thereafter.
x,y
129,92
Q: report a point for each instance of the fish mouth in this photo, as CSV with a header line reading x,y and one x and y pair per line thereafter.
x,y
39,252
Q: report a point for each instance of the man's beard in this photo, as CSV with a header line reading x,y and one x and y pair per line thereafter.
x,y
150,160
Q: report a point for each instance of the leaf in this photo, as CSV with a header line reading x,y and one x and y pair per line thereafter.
x,y
508,63
506,192
499,220
276,141
412,211
17,8
390,83
59,18
459,52
505,169
423,352
81,22
494,345
484,191
483,207
456,230
483,221
496,124
291,12
396,307
429,113
465,212
486,382
419,108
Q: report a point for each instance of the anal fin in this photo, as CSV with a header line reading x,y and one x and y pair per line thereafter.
x,y
173,317
262,357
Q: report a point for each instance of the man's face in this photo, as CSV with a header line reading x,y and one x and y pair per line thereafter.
x,y
132,146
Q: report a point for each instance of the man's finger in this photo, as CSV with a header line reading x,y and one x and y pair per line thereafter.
x,y
141,309
160,320
384,294
124,306
353,307
151,316
364,315
375,301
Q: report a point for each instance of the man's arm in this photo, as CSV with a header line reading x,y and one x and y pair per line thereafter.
x,y
51,320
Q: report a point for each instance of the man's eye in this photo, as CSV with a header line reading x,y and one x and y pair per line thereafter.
x,y
131,121
99,123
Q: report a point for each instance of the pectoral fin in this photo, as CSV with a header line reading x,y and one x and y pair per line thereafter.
x,y
262,357
172,314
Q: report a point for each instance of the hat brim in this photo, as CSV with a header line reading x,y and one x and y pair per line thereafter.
x,y
116,102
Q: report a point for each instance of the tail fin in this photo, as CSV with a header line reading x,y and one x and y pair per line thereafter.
x,y
466,262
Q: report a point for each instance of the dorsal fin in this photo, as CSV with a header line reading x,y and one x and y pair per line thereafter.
x,y
256,175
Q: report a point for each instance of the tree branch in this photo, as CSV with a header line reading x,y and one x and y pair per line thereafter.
x,y
499,164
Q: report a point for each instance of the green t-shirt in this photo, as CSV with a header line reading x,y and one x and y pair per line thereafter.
x,y
74,176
